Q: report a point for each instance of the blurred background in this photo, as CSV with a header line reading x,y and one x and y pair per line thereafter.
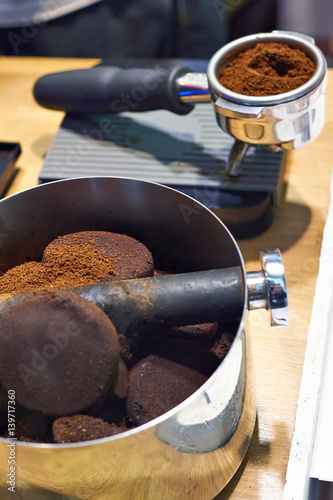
x,y
152,28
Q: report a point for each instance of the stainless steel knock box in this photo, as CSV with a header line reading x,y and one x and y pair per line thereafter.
x,y
194,449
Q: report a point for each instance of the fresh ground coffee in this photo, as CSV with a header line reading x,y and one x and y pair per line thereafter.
x,y
267,69
81,258
87,266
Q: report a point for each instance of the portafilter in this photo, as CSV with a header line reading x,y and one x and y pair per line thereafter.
x,y
289,120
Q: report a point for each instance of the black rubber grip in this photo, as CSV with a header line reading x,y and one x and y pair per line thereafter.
x,y
108,89
171,300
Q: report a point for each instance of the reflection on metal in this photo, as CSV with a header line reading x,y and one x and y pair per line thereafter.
x,y
193,88
209,421
267,288
208,434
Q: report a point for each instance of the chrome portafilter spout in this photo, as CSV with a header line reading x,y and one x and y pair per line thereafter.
x,y
289,120
194,88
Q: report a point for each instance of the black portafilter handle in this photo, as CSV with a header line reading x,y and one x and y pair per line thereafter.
x,y
170,300
110,90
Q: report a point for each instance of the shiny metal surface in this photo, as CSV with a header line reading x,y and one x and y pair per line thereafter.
x,y
276,287
257,290
193,88
193,450
235,158
290,120
267,288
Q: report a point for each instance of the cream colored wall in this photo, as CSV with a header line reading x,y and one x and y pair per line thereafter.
x,y
313,17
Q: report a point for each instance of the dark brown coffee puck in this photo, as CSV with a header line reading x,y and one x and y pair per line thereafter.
x,y
170,374
59,353
100,254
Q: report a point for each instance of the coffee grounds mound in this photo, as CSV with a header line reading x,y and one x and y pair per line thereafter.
x,y
267,69
82,428
128,257
80,259
88,267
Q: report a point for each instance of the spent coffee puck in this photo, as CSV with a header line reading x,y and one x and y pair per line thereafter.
x,y
59,353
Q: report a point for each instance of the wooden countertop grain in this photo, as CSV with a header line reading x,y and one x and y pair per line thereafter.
x,y
297,230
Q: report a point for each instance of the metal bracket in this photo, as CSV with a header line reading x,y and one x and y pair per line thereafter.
x,y
267,287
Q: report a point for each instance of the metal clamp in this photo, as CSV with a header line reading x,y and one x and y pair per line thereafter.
x,y
267,287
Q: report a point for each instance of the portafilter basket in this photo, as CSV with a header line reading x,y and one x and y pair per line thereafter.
x,y
193,450
290,120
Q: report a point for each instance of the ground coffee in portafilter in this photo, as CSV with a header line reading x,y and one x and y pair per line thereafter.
x,y
267,69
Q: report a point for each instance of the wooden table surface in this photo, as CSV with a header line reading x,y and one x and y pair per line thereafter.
x,y
297,231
